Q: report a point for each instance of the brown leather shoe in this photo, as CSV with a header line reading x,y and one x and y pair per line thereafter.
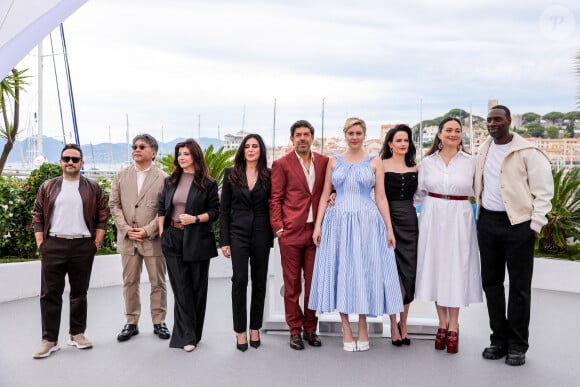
x,y
296,342
312,339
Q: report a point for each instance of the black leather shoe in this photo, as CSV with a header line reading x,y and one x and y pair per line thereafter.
x,y
161,331
296,342
255,343
494,352
312,339
515,358
128,331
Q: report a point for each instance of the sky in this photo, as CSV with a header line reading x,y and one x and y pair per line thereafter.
x,y
182,68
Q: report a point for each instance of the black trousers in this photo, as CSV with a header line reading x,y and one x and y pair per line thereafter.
x,y
502,244
189,281
61,257
257,253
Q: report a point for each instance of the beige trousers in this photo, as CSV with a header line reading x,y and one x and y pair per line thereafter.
x,y
156,269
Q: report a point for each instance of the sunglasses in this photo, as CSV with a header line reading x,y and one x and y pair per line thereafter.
x,y
140,147
67,159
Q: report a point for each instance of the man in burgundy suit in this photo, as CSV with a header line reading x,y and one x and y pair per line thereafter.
x,y
297,181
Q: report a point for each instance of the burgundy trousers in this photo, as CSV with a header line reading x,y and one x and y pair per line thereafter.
x,y
297,260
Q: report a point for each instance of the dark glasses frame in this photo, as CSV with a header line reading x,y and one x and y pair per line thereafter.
x,y
67,159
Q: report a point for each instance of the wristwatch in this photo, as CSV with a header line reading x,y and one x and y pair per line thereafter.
x,y
196,219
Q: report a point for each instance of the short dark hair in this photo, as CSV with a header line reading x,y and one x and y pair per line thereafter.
x,y
72,146
149,139
301,124
508,114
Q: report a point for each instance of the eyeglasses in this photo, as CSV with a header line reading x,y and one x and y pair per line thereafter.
x,y
67,159
140,147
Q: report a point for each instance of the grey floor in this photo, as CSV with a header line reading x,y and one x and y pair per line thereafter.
x,y
146,360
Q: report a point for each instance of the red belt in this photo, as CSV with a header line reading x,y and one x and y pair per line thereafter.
x,y
176,225
448,197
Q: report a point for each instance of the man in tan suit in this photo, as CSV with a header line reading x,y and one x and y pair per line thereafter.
x,y
133,202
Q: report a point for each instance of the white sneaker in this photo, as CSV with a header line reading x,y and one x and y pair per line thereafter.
x,y
80,341
189,348
45,349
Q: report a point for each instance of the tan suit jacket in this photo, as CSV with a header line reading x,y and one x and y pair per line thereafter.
x,y
132,210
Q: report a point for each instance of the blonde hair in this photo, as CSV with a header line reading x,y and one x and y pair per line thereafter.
x,y
352,121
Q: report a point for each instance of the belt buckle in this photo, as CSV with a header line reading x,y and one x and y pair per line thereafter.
x,y
446,197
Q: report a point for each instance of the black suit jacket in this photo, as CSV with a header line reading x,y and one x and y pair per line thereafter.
x,y
199,242
244,214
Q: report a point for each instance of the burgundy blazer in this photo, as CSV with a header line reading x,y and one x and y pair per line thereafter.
x,y
291,199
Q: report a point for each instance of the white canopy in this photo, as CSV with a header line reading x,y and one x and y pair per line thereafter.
x,y
24,23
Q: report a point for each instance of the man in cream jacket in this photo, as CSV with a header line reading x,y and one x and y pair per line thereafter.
x,y
513,189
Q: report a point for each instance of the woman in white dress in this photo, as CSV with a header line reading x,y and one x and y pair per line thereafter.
x,y
447,257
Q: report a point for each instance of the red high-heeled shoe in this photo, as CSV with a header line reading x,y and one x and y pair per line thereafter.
x,y
452,341
440,339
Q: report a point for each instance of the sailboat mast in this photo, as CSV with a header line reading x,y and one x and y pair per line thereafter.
x,y
127,137
39,114
274,134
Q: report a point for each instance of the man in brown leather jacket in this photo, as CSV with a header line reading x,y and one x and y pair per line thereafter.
x,y
69,218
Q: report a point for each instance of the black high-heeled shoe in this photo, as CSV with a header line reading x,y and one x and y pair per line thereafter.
x,y
396,343
404,340
255,343
241,347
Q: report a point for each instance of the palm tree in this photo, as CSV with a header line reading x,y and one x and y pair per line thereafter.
x,y
10,90
217,161
564,217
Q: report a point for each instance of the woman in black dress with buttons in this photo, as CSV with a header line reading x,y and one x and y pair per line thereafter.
x,y
401,178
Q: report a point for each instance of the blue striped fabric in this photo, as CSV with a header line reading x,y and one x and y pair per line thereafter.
x,y
355,270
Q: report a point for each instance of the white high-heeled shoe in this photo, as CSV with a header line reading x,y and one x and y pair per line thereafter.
x,y
362,346
349,346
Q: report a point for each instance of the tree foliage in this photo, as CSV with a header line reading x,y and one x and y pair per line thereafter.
x,y
10,88
530,117
535,129
552,132
553,116
217,161
564,217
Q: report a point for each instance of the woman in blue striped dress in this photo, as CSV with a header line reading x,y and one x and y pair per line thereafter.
x,y
355,270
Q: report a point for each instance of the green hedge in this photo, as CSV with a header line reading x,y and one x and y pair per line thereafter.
x,y
16,202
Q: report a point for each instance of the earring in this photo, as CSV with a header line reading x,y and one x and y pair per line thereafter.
x,y
459,148
439,146
391,149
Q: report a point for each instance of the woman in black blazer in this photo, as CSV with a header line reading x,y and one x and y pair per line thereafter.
x,y
246,235
188,206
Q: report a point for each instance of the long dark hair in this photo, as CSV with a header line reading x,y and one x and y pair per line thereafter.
x,y
436,142
238,175
386,152
201,172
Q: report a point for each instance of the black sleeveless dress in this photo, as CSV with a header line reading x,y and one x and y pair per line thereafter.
x,y
400,188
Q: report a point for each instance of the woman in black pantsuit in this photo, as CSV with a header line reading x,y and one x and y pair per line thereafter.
x,y
188,206
246,235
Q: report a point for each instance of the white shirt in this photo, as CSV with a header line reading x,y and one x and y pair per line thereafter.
x,y
310,178
67,217
491,198
141,175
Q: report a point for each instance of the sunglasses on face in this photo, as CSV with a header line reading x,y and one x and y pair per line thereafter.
x,y
140,147
67,159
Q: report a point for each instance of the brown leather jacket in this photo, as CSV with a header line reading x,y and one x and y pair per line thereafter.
x,y
95,207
